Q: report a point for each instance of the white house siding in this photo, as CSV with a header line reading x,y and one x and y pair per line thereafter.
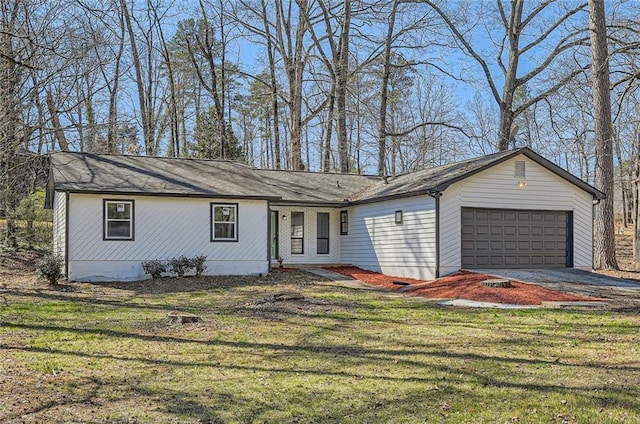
x,y
497,187
165,227
310,255
59,223
376,243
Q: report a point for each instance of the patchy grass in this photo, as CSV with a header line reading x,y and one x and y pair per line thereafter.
x,y
105,353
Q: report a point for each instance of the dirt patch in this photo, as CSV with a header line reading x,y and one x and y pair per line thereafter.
x,y
465,285
17,268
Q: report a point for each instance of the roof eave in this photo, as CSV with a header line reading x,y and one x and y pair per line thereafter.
x,y
314,203
414,193
167,194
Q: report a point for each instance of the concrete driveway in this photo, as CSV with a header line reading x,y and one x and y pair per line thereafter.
x,y
619,293
562,275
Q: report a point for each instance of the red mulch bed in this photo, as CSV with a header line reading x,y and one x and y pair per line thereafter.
x,y
465,285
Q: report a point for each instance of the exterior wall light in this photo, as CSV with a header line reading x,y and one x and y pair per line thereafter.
x,y
522,184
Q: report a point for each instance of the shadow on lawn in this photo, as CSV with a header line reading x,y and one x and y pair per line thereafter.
x,y
432,372
428,350
170,285
70,297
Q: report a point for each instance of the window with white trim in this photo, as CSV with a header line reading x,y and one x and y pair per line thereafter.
x,y
224,222
118,220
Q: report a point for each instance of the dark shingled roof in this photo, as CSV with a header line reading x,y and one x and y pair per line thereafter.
x,y
84,172
315,187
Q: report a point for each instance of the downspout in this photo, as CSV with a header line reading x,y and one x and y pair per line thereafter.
x,y
268,236
66,235
436,195
595,202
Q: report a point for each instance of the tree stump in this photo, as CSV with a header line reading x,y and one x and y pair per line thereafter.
x,y
177,317
282,297
497,282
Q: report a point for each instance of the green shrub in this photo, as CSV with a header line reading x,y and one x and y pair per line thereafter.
x,y
155,268
50,267
197,263
180,265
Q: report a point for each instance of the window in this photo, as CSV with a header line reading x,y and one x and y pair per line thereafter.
x,y
520,169
323,233
297,233
398,217
118,220
344,222
224,222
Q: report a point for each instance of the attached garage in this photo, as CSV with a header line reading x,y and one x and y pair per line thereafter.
x,y
508,238
519,211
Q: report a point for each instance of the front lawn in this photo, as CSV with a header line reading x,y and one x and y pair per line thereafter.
x,y
105,353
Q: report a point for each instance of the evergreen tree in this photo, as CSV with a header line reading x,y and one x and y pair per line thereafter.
x,y
208,141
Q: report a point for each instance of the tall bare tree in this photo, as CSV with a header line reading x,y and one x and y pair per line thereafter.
x,y
604,252
550,42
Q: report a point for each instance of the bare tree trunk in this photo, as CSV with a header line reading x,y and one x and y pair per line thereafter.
x,y
55,121
274,87
173,106
326,151
295,71
604,251
342,73
384,92
142,98
636,203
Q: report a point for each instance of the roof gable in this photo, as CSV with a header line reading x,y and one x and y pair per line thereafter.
x,y
438,179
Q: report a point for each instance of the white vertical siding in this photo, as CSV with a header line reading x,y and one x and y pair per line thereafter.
x,y
497,187
375,242
59,223
165,227
310,255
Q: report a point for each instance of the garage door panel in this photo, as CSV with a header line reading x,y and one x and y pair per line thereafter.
x,y
482,245
482,215
482,230
524,261
509,216
513,239
524,246
510,246
510,230
537,260
510,261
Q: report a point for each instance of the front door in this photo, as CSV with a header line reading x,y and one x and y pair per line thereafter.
x,y
274,235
